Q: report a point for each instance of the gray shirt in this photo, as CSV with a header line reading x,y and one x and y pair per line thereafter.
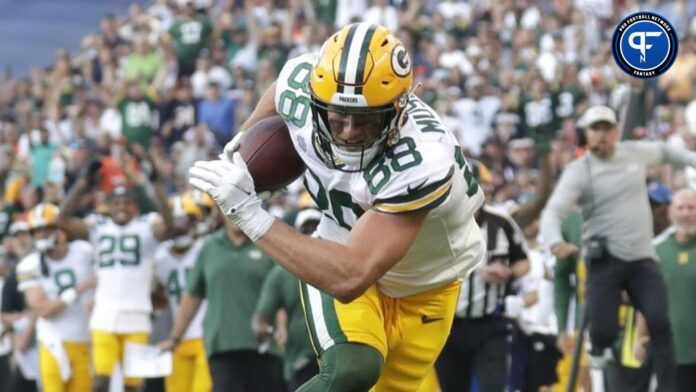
x,y
613,198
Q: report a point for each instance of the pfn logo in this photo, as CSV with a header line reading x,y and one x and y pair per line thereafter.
x,y
644,45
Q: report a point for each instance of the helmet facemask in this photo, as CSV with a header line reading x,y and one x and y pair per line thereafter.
x,y
355,157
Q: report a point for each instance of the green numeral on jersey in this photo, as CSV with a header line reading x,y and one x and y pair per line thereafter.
x,y
333,202
468,175
401,157
294,107
64,279
127,253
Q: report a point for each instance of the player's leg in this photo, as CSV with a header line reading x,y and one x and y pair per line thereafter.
x,y
78,353
132,384
182,369
201,377
105,355
49,371
349,340
417,333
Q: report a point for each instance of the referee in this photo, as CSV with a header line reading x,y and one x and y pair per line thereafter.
x,y
609,184
478,346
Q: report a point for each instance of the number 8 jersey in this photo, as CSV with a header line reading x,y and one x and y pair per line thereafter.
x,y
425,170
125,272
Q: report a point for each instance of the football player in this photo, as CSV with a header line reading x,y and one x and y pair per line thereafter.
x,y
124,243
55,279
397,235
173,261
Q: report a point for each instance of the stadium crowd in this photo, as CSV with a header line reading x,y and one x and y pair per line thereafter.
x,y
113,129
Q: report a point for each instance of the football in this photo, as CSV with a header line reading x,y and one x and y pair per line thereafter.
x,y
270,155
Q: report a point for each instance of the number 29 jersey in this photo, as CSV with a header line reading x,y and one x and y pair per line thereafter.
x,y
425,170
123,255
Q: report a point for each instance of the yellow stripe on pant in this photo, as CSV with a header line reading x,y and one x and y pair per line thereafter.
x,y
191,372
49,370
409,331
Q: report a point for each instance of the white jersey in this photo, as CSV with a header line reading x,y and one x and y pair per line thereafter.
x,y
172,270
424,170
125,273
54,277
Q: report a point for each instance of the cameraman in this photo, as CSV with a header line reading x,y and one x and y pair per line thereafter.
x,y
609,184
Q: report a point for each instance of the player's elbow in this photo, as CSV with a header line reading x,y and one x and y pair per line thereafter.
x,y
349,289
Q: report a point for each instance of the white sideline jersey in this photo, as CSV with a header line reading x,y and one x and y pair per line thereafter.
x,y
424,170
172,270
54,277
125,272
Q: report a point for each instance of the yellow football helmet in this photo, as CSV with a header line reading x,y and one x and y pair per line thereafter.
x,y
201,199
185,205
363,70
43,215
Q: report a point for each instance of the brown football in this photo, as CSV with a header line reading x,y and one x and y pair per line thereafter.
x,y
270,155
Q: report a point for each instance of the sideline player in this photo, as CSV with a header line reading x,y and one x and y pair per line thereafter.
x,y
54,280
397,233
173,261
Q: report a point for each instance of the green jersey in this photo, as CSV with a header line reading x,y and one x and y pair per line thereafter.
x,y
230,278
678,265
190,36
281,290
137,120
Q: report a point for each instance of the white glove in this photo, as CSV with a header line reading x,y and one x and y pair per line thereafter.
x,y
69,296
513,306
231,147
231,186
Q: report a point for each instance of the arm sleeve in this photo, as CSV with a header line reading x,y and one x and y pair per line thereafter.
x,y
29,272
654,153
270,300
195,282
567,193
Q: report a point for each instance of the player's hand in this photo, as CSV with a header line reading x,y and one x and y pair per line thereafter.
x,y
565,343
564,249
232,188
166,345
495,273
86,284
91,173
640,347
231,147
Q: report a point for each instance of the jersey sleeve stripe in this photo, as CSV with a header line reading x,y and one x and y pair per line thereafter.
x,y
431,199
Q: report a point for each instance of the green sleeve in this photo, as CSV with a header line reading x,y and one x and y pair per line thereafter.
x,y
271,298
195,281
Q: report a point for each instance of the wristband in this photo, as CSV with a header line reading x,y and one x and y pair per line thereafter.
x,y
69,296
255,225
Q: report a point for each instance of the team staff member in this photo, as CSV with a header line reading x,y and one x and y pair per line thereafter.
x,y
281,291
53,280
228,274
676,250
609,184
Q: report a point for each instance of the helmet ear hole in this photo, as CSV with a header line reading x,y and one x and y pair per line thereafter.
x,y
384,43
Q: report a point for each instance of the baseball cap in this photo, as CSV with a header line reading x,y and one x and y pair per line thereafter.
x,y
18,226
659,193
307,215
598,113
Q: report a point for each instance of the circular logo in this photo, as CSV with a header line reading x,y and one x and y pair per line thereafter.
x,y
644,45
400,61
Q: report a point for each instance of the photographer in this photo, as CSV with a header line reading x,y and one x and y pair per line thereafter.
x,y
609,185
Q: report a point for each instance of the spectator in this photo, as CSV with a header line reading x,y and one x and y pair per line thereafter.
x,y
137,112
217,113
144,63
206,73
609,183
190,34
177,115
676,250
229,261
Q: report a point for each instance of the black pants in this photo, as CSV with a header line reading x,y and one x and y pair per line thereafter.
x,y
476,348
686,378
246,371
619,378
644,284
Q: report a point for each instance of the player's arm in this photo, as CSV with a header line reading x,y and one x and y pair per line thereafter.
x,y
187,311
44,307
377,242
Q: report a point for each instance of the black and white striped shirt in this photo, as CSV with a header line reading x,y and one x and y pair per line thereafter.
x,y
504,244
